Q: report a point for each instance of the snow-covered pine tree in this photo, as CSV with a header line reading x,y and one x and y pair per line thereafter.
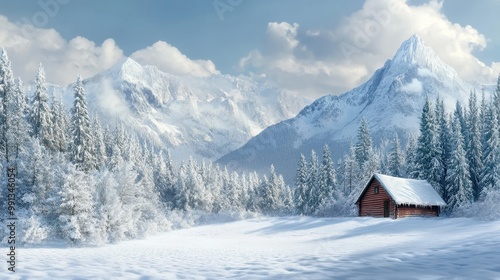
x,y
300,194
81,151
411,157
181,191
370,167
110,212
18,128
312,183
474,150
108,143
7,100
459,182
170,178
195,186
98,143
461,114
327,186
215,185
490,175
41,117
485,129
224,190
428,154
244,192
270,191
253,184
163,177
351,170
59,127
364,144
129,191
147,200
384,151
76,209
235,193
496,100
286,197
40,186
120,139
444,136
396,158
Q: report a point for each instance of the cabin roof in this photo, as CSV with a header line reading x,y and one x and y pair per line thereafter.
x,y
407,191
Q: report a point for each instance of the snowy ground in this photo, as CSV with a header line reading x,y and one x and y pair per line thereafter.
x,y
285,248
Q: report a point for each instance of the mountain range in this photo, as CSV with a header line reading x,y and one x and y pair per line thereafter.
x,y
390,101
247,123
191,116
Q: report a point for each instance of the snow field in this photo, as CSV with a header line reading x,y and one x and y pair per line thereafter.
x,y
285,248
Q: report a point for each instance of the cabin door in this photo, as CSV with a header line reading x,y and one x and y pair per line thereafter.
x,y
386,209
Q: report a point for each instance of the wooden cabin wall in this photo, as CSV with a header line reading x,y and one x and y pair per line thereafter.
x,y
372,204
413,211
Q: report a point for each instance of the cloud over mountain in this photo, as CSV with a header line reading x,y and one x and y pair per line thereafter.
x,y
65,59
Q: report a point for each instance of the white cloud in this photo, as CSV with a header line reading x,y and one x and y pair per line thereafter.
x,y
415,86
63,60
317,62
169,59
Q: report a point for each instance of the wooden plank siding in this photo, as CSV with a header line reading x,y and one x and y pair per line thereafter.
x,y
417,211
372,203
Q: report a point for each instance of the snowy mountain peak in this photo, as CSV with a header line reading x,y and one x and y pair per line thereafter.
x,y
414,51
126,69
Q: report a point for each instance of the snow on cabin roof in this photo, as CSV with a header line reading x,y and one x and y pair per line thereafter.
x,y
410,191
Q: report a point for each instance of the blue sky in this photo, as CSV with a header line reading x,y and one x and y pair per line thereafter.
x,y
296,43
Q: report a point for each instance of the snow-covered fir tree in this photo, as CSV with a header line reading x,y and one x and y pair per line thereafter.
x,y
396,158
7,105
490,175
350,171
81,150
364,144
77,206
327,185
99,148
411,158
41,117
271,193
459,180
474,149
312,183
428,154
109,208
444,136
17,134
59,126
301,194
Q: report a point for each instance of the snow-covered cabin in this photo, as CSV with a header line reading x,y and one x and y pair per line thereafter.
x,y
387,196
